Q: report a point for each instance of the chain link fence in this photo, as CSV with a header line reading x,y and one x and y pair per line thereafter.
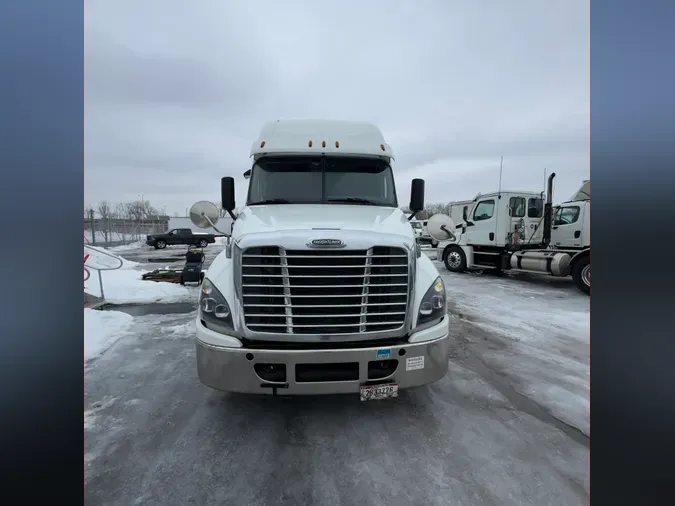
x,y
109,231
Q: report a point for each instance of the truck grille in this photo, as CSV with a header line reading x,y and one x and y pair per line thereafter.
x,y
324,292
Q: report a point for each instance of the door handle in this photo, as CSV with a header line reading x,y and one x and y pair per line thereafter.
x,y
554,228
577,234
492,236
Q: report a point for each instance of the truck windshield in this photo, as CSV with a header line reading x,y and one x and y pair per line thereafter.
x,y
322,180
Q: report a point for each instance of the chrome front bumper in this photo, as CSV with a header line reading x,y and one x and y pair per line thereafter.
x,y
231,368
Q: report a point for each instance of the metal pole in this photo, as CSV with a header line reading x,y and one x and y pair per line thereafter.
x,y
93,226
100,284
501,168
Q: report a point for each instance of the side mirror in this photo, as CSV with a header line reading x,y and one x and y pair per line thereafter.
x,y
464,213
203,214
417,196
227,193
441,227
247,174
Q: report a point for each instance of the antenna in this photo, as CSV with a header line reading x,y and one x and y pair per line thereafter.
x,y
501,168
545,170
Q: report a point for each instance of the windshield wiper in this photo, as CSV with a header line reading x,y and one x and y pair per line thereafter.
x,y
356,200
270,201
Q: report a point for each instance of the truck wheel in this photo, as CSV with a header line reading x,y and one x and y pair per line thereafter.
x,y
454,259
203,243
581,274
160,245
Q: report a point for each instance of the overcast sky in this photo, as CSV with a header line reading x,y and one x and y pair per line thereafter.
x,y
177,91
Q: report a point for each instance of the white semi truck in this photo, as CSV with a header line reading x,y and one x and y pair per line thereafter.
x,y
517,230
321,288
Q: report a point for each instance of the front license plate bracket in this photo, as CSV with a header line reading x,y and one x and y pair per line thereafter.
x,y
378,392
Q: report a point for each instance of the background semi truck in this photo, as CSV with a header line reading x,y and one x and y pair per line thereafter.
x,y
322,287
521,231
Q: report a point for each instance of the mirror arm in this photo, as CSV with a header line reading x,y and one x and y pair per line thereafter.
x,y
228,246
232,215
213,226
447,231
412,215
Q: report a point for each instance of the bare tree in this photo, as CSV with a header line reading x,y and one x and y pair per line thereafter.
x,y
431,209
104,213
139,210
120,211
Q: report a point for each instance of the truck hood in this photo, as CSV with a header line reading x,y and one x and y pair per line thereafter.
x,y
257,219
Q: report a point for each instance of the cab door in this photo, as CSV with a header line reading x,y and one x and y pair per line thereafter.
x,y
171,237
567,225
483,226
534,222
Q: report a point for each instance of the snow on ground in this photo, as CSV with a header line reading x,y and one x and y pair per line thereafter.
x,y
113,236
126,286
545,331
99,258
102,329
127,247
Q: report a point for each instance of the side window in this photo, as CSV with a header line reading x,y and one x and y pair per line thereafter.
x,y
484,210
535,208
567,215
173,232
517,206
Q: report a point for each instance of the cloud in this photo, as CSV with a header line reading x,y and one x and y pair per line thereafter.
x,y
176,92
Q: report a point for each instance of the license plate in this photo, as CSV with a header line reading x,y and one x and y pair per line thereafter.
x,y
375,392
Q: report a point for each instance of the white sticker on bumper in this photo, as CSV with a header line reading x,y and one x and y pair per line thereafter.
x,y
414,363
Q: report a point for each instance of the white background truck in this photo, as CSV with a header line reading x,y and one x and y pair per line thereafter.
x,y
322,287
417,228
515,230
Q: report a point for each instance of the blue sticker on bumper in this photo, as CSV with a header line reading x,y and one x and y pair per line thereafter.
x,y
383,354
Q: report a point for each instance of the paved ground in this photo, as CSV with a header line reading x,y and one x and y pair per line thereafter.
x,y
155,435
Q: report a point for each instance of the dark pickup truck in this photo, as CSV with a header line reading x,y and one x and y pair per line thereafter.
x,y
180,236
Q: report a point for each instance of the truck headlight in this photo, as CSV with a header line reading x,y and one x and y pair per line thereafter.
x,y
434,303
213,308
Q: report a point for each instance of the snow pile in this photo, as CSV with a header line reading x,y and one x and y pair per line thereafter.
x,y
102,329
126,285
113,236
127,247
98,259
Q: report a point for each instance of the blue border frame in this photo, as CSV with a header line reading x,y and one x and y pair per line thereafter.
x,y
633,166
633,169
41,155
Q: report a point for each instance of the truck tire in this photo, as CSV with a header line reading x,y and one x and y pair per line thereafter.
x,y
581,274
454,259
203,243
160,245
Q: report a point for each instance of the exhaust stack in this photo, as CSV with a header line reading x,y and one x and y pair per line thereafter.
x,y
548,212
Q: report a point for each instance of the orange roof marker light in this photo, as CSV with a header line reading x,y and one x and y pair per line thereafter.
x,y
323,144
262,144
310,144
337,144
